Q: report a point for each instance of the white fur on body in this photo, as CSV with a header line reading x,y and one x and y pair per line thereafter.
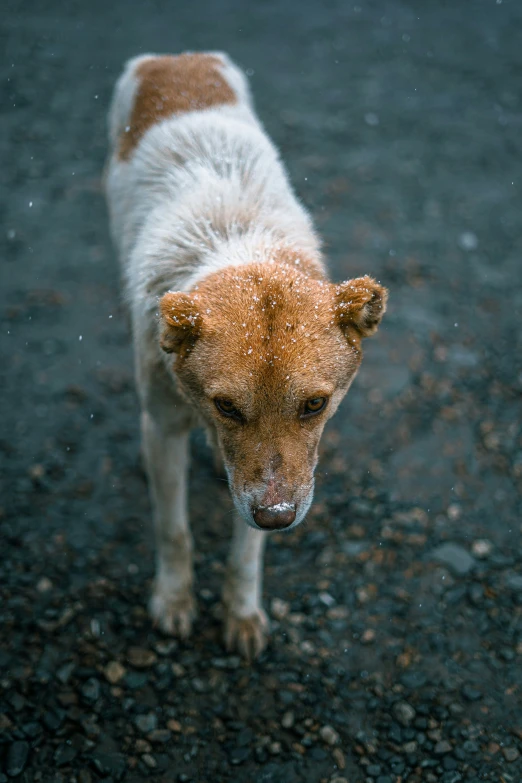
x,y
201,191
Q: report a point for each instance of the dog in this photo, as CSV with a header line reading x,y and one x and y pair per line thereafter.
x,y
235,324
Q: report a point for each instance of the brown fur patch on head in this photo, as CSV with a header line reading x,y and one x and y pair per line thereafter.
x,y
305,263
174,85
267,339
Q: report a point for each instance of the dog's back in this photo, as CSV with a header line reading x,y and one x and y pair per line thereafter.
x,y
190,169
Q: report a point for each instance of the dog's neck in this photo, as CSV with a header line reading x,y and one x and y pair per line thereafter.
x,y
257,247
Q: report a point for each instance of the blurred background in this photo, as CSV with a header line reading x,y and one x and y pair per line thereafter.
x,y
396,609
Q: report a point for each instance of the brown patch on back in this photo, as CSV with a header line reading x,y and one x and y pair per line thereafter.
x,y
174,85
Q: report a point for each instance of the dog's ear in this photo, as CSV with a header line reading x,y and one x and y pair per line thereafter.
x,y
181,322
361,303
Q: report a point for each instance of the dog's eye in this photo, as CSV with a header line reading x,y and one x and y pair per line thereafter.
x,y
314,405
227,408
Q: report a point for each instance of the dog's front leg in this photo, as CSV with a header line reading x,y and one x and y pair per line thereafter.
x,y
172,604
246,623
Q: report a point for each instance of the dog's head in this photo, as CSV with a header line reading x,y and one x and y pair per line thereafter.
x,y
267,354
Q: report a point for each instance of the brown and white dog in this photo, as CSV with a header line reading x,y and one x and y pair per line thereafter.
x,y
235,324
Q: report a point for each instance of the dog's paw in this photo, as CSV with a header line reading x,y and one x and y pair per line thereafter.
x,y
246,635
174,615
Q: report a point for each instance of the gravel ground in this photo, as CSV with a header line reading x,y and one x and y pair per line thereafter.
x,y
397,631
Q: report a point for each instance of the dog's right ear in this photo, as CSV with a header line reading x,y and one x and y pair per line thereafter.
x,y
181,322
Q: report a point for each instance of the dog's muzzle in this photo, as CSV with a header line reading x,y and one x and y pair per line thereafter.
x,y
274,517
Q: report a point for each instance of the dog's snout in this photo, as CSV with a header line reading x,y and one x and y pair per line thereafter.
x,y
274,517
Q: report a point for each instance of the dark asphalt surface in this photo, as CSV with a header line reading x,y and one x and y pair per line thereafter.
x,y
397,625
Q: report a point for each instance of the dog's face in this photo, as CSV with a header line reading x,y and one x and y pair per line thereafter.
x,y
266,355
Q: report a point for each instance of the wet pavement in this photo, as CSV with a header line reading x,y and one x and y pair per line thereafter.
x,y
397,607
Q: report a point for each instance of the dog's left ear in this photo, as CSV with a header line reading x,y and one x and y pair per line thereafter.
x,y
181,321
361,303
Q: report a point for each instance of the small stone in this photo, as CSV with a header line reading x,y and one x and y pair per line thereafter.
x,y
239,755
64,672
64,755
159,736
91,690
114,672
442,747
274,748
329,735
326,599
146,723
482,547
403,712
17,758
373,770
279,608
142,746
149,761
167,647
338,613
468,240
141,658
339,780
514,582
454,512
470,693
410,747
368,636
174,725
199,685
44,585
288,720
510,754
455,557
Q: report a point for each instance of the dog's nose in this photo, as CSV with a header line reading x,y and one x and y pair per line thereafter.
x,y
274,517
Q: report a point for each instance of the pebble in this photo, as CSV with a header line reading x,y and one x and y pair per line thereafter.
x,y
17,758
279,609
470,693
159,736
288,720
149,761
326,599
239,755
146,723
338,613
141,658
442,747
44,585
404,713
114,672
329,735
455,557
514,582
482,547
64,755
91,690
510,754
468,240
